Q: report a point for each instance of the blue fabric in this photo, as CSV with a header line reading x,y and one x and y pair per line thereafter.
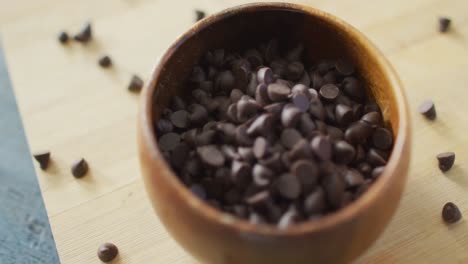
x,y
25,235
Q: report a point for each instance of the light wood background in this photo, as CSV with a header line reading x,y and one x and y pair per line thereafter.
x,y
75,109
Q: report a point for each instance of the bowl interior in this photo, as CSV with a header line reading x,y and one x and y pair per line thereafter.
x,y
323,36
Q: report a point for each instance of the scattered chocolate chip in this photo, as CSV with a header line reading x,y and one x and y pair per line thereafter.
x,y
344,67
211,155
105,61
107,252
446,160
43,158
169,141
343,152
344,115
79,168
329,92
450,213
372,118
278,92
377,171
353,88
63,37
301,102
315,202
322,147
180,119
358,132
353,178
136,84
261,175
382,138
289,137
427,108
288,218
199,14
306,171
288,186
85,34
444,24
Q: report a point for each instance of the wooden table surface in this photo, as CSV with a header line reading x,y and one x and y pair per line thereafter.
x,y
75,109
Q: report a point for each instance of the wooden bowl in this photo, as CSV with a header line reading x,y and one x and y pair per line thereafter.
x,y
214,237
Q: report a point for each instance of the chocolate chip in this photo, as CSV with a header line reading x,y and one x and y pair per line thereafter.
x,y
278,92
329,92
198,75
316,109
205,138
372,118
353,88
261,175
265,75
85,34
288,186
305,79
358,132
260,147
105,61
306,125
199,14
246,109
377,171
344,115
274,108
450,213
382,138
180,119
198,191
365,169
295,54
273,162
261,125
259,199
444,24
107,252
289,137
169,141
246,154
374,157
295,70
446,160
254,57
242,138
427,109
179,155
300,150
317,81
371,107
343,152
306,172
335,133
79,168
135,85
198,114
211,155
358,110
344,67
315,202
225,81
240,173
353,178
322,147
334,186
301,102
324,66
236,95
288,218
178,103
43,158
290,115
63,37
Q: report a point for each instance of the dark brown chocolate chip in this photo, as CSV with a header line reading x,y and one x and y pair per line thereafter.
x,y
274,108
205,138
316,109
322,147
353,178
295,54
446,160
344,152
377,171
265,75
317,81
79,168
315,202
295,70
199,14
324,66
365,169
177,103
198,114
290,217
450,213
288,186
278,92
372,118
225,81
427,108
335,133
261,125
261,94
444,24
301,101
258,199
242,138
107,252
382,138
260,147
273,162
136,84
261,175
254,57
246,109
305,79
358,132
334,186
180,119
329,92
63,37
236,95
344,67
289,137
300,150
85,34
105,61
353,88
358,110
344,115
179,155
330,77
169,141
290,115
252,85
306,172
246,154
43,158
307,126
374,157
211,155
199,191
240,173
371,107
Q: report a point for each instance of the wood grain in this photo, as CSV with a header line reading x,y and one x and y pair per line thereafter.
x,y
72,107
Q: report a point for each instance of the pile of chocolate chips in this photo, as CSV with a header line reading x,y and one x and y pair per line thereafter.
x,y
267,138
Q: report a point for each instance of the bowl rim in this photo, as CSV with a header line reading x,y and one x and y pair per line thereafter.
x,y
343,215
